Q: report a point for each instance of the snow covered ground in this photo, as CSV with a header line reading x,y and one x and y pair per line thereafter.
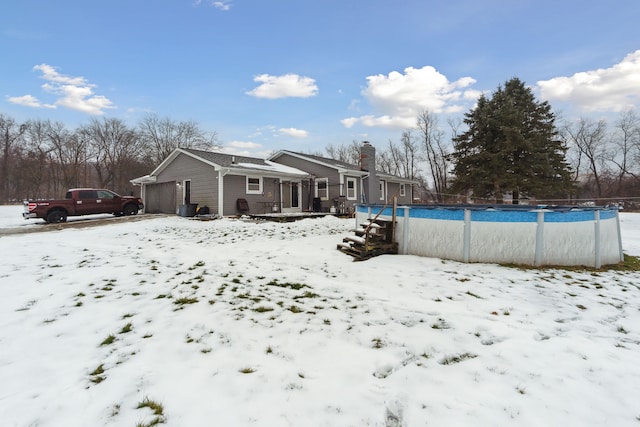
x,y
232,323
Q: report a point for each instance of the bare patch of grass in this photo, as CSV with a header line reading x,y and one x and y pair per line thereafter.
x,y
156,408
473,295
262,309
440,324
451,360
185,300
96,376
294,286
108,340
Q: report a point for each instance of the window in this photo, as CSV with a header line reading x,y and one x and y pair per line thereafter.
x,y
402,190
104,194
254,185
87,194
382,190
322,188
351,189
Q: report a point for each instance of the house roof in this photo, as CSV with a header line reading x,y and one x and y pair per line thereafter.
x,y
233,164
342,167
324,161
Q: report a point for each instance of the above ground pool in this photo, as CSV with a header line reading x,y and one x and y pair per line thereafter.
x,y
519,234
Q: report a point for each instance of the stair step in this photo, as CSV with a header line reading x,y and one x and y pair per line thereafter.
x,y
371,225
356,239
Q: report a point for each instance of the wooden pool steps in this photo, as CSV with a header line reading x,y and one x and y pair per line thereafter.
x,y
372,238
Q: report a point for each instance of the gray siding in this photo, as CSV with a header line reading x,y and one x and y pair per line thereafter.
x,y
394,188
318,171
204,181
235,187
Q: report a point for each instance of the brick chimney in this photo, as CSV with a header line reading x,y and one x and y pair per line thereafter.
x,y
368,163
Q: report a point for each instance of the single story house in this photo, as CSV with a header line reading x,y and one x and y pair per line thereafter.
x,y
286,182
227,184
342,185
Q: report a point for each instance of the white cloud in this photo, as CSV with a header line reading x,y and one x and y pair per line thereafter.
x,y
242,145
246,148
29,101
285,86
349,122
222,5
296,133
611,89
399,97
49,73
75,93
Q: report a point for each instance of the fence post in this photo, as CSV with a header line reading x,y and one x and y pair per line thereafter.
x,y
466,256
405,231
596,219
539,240
619,236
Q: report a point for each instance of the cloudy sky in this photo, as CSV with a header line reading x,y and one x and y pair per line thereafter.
x,y
273,74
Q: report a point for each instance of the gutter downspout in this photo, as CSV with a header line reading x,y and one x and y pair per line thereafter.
x,y
281,198
221,174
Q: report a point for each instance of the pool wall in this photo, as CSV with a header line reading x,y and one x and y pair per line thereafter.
x,y
529,235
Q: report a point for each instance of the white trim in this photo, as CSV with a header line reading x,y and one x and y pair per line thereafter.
x,y
184,190
221,174
260,184
326,181
402,190
292,209
353,180
383,189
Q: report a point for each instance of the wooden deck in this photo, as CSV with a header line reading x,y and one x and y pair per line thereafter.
x,y
291,216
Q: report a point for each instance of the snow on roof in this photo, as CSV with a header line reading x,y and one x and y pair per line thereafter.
x,y
273,167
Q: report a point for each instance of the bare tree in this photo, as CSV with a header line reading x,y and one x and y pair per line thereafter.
x,y
35,160
588,138
626,140
68,157
385,161
10,134
113,147
345,153
162,136
436,152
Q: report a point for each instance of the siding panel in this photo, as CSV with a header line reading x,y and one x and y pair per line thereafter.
x,y
318,171
204,182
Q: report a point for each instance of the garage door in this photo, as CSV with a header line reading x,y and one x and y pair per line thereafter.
x,y
160,198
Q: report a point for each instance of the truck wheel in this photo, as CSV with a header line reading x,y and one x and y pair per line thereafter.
x,y
130,210
56,216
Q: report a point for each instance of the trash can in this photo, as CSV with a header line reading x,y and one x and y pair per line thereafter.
x,y
188,210
317,204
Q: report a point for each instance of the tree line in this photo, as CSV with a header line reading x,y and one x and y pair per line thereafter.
x,y
509,146
42,159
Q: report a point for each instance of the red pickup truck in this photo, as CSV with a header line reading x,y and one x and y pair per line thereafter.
x,y
82,201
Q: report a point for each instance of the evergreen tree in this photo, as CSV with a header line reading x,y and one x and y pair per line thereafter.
x,y
511,145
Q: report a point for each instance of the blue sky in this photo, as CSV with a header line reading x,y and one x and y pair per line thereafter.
x,y
297,74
